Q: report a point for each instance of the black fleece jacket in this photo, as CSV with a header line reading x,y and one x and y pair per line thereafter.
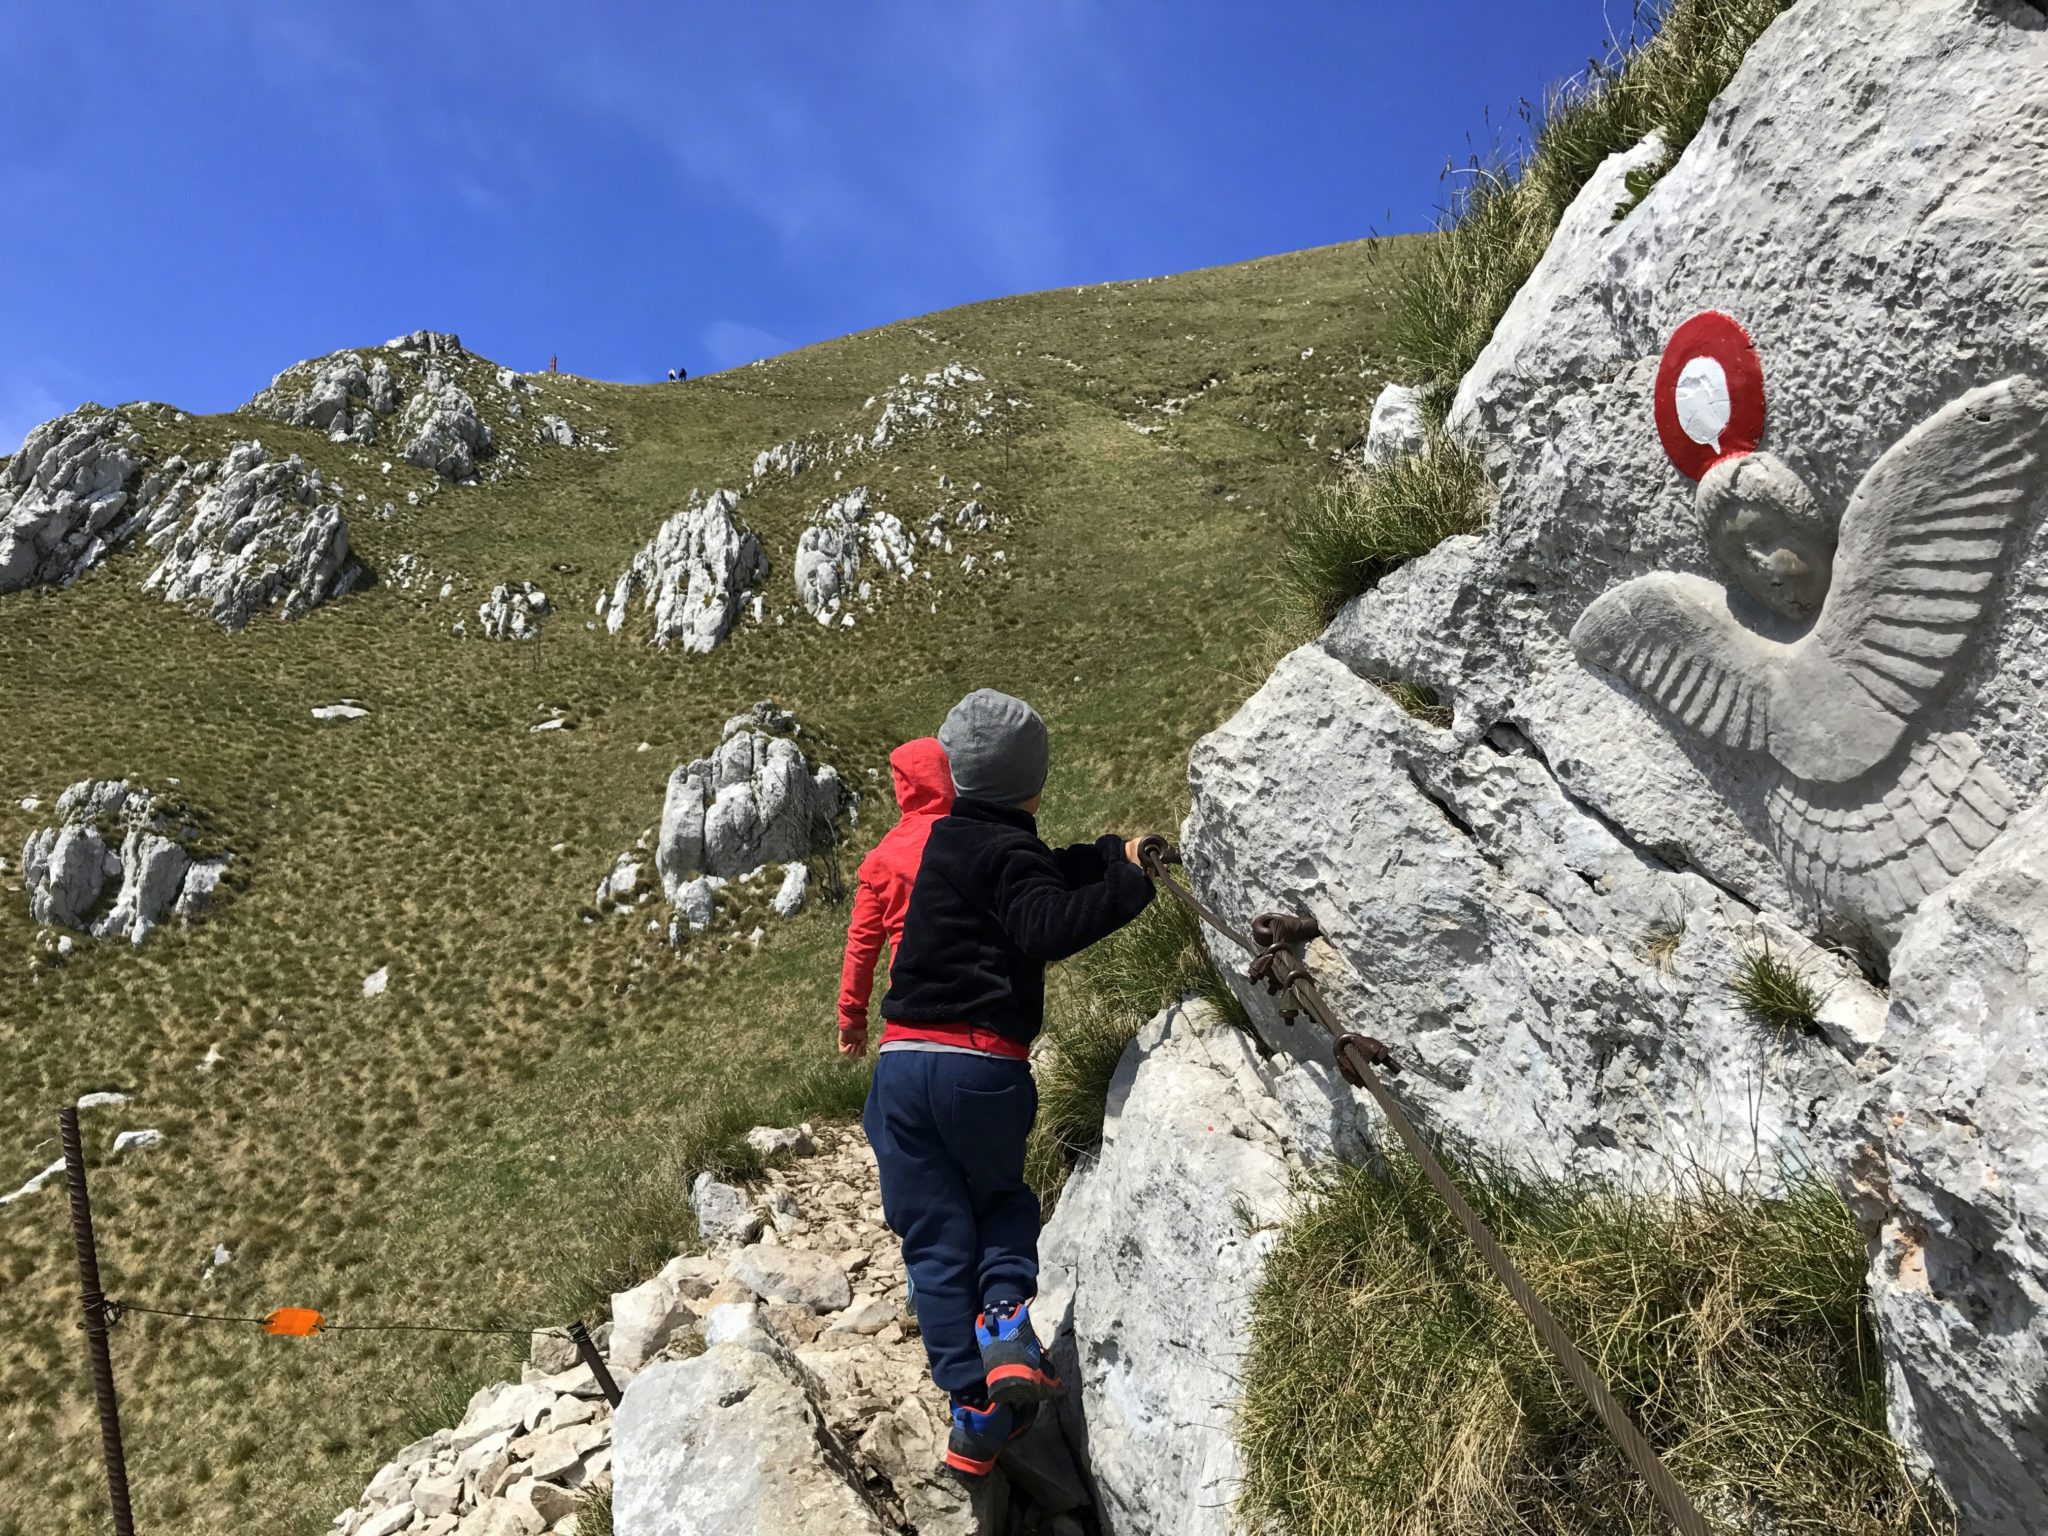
x,y
992,906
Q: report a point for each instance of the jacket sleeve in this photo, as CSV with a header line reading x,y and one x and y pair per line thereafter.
x,y
1050,917
865,936
1079,863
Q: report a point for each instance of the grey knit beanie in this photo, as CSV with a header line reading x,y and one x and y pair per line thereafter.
x,y
997,747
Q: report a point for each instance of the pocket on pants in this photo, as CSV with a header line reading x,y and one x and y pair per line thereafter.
x,y
991,1125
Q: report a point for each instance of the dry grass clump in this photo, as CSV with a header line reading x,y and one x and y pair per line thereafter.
x,y
1393,1387
1417,700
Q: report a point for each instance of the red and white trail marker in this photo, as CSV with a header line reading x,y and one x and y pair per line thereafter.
x,y
1710,393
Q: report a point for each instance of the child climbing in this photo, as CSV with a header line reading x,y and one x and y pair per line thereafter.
x,y
953,1098
924,793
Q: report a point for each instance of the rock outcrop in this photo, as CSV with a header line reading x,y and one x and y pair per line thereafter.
x,y
249,534
1541,907
442,429
1149,1264
846,534
755,801
338,395
116,865
754,810
693,575
434,403
68,498
513,611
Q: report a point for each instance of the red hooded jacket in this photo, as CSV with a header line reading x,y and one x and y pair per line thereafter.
x,y
924,793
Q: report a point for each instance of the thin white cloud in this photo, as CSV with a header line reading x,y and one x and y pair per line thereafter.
x,y
730,343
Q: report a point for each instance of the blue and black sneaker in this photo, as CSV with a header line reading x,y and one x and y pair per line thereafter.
x,y
1010,1356
980,1431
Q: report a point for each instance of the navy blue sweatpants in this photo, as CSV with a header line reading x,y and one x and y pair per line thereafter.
x,y
948,1131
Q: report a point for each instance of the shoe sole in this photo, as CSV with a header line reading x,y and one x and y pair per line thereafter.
x,y
1017,1385
967,1468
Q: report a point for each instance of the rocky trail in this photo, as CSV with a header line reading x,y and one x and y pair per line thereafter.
x,y
774,1383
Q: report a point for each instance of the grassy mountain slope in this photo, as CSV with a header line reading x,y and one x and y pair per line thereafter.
x,y
495,1136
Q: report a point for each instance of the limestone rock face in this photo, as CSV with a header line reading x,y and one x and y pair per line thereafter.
x,y
67,498
754,801
731,1444
1542,906
251,534
1949,1172
846,535
693,575
443,431
1147,1271
115,865
1551,987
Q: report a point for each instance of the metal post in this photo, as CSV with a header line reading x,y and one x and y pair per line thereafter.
x,y
95,1305
587,1348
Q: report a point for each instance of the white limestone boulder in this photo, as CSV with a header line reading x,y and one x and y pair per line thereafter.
x,y
1397,426
725,1216
115,864
1950,1175
254,533
692,576
755,802
732,1443
645,1318
68,498
1148,1268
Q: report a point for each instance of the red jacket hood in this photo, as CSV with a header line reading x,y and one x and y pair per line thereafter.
x,y
924,779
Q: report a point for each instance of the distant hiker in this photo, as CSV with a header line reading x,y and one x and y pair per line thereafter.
x,y
682,373
924,793
953,1099
551,362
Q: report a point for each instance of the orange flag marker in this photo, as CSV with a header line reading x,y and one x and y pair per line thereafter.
x,y
294,1322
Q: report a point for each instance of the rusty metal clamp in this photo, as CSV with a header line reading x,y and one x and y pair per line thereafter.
x,y
1374,1051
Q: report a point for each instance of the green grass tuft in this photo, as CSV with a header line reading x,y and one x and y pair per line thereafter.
x,y
594,1513
1775,993
1393,1387
1504,212
1359,528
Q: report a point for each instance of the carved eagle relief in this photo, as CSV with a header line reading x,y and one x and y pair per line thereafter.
x,y
1833,646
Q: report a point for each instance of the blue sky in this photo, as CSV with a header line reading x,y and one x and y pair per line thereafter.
x,y
198,194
